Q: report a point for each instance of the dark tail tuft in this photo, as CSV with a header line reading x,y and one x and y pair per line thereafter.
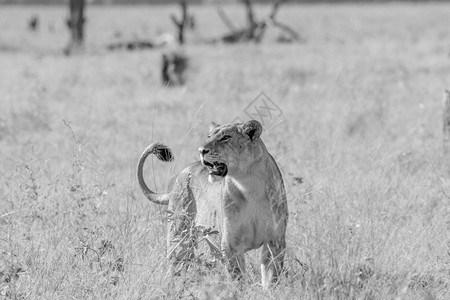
x,y
163,152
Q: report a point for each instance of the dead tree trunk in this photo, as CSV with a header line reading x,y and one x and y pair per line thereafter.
x,y
446,122
75,22
181,24
251,23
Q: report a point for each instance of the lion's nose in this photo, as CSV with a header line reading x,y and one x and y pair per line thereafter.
x,y
203,151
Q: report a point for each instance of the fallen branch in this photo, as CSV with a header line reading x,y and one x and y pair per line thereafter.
x,y
295,35
131,45
255,30
226,20
250,15
275,8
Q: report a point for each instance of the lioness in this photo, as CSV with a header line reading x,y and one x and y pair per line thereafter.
x,y
237,188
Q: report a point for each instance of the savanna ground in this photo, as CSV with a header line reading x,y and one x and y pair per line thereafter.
x,y
360,150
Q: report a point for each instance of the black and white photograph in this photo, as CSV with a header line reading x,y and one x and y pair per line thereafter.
x,y
225,149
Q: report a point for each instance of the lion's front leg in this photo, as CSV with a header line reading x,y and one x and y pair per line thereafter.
x,y
272,260
234,260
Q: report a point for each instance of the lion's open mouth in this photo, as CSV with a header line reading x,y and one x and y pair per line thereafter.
x,y
216,168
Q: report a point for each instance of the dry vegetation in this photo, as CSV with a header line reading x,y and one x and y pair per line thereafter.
x,y
362,100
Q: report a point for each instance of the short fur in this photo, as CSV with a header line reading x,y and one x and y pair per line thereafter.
x,y
237,188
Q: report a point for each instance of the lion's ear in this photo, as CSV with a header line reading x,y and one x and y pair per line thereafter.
x,y
251,128
213,126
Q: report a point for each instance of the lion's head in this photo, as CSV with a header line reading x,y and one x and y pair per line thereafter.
x,y
231,148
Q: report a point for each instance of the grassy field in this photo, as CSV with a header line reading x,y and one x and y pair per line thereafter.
x,y
360,151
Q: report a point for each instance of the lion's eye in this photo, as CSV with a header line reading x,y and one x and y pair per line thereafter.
x,y
225,138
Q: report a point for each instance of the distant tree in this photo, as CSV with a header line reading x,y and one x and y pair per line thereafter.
x,y
75,23
182,22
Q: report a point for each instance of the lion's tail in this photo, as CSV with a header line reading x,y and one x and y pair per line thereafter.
x,y
163,153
